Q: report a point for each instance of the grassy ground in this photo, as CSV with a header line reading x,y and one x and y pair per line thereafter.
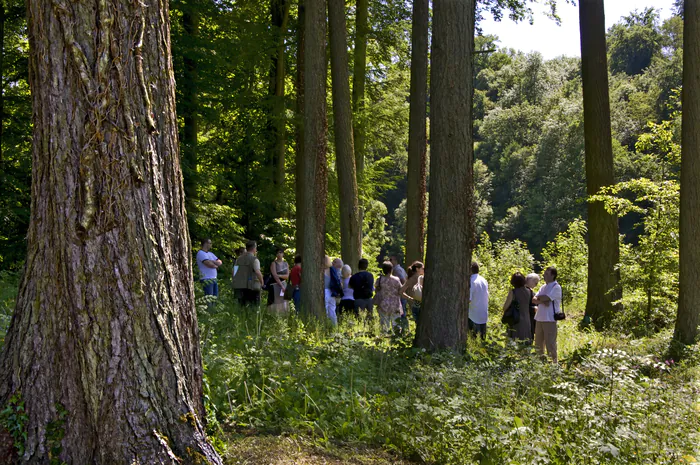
x,y
284,391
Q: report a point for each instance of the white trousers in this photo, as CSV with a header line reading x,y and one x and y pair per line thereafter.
x,y
330,306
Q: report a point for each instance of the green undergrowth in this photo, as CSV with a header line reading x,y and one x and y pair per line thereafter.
x,y
612,399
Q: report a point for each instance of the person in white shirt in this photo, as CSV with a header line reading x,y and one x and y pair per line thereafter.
x,y
548,301
208,264
478,302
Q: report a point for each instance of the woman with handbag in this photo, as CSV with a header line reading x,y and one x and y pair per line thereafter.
x,y
523,296
279,269
412,289
549,311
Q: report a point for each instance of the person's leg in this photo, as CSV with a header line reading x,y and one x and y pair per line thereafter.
x,y
330,306
481,329
296,297
215,288
207,286
539,337
550,333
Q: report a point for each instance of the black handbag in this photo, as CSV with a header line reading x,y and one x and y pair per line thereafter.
x,y
560,315
511,316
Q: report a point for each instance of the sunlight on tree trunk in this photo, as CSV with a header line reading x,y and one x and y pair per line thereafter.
x,y
603,248
443,320
688,319
103,343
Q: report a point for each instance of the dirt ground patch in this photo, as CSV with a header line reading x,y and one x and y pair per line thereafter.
x,y
280,450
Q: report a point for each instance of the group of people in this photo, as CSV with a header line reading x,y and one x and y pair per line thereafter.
x,y
393,293
537,319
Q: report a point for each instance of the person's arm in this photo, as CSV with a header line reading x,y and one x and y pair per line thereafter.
x,y
509,300
256,269
273,270
410,282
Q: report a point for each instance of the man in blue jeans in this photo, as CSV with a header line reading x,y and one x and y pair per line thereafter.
x,y
208,264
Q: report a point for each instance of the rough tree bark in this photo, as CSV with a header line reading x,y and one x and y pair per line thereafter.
x,y
350,227
190,116
279,11
358,84
103,345
688,319
299,172
443,320
417,134
603,232
315,180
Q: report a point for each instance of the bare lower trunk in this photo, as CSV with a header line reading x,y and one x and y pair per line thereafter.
x,y
417,134
686,331
103,345
603,232
350,228
315,182
299,174
443,320
358,84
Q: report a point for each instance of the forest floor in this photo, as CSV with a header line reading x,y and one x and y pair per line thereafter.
x,y
283,391
289,450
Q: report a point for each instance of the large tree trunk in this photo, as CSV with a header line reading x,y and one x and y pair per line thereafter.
x,y
315,181
299,173
190,23
417,135
603,240
103,345
358,84
350,228
279,10
688,311
443,320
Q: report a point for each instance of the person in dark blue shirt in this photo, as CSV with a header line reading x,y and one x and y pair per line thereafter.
x,y
362,284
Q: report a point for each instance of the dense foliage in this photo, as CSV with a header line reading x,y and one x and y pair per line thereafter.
x,y
610,402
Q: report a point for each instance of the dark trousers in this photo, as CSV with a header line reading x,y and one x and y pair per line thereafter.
x,y
247,297
364,304
477,329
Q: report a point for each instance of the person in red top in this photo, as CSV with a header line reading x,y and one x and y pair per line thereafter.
x,y
295,280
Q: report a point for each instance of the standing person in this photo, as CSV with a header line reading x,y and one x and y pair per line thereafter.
x,y
248,281
208,264
332,289
362,284
388,297
548,301
347,301
238,252
412,290
280,273
402,275
478,302
531,282
295,280
522,330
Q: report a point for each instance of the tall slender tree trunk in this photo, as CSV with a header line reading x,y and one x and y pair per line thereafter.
x,y
350,228
603,232
315,179
417,134
103,345
190,107
688,319
443,320
299,173
358,84
279,10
